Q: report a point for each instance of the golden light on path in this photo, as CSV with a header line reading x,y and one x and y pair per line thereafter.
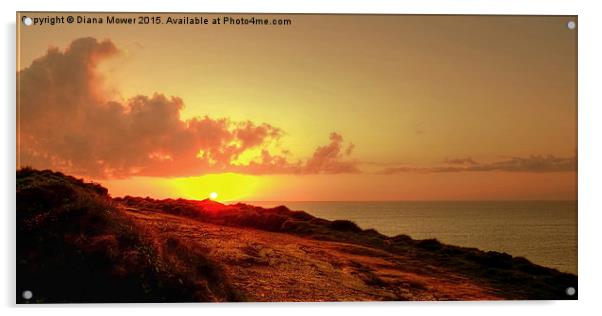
x,y
213,195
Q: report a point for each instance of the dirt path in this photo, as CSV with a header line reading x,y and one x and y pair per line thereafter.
x,y
269,266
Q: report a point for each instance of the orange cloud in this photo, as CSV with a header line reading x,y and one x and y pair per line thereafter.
x,y
68,123
328,158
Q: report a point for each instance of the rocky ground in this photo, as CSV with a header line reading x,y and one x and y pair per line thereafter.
x,y
270,266
75,243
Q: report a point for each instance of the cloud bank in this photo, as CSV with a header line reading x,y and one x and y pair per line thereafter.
x,y
538,164
68,122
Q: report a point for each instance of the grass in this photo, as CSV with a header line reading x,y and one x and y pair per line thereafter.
x,y
512,277
74,245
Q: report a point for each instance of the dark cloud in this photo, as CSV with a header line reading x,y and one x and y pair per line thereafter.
x,y
547,163
460,161
68,122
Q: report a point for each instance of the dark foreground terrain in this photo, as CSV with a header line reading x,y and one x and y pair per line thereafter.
x,y
77,244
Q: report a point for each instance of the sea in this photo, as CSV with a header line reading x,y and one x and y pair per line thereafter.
x,y
545,232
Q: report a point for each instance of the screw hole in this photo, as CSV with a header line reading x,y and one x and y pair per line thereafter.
x,y
27,21
571,25
27,294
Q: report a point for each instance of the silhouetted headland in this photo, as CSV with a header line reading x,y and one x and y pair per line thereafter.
x,y
75,243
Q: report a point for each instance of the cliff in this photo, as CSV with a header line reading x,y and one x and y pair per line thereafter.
x,y
77,244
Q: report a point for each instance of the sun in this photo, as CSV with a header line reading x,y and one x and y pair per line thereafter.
x,y
213,195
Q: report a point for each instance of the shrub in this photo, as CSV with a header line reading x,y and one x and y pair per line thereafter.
x,y
345,225
429,244
73,245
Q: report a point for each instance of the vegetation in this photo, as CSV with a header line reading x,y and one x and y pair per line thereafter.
x,y
74,245
512,277
77,244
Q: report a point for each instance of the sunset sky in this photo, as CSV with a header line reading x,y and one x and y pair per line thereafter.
x,y
331,107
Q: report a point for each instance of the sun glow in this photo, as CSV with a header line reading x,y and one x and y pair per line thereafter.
x,y
226,186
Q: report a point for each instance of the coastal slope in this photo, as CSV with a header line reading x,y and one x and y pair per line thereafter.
x,y
269,266
77,244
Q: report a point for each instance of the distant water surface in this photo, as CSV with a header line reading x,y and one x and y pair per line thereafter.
x,y
544,232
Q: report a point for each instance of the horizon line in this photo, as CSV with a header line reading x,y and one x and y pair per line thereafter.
x,y
442,200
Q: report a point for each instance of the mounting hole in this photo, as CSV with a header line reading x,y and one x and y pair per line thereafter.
x,y
27,294
570,291
27,21
571,25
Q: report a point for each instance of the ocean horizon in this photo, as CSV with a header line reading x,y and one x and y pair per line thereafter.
x,y
545,232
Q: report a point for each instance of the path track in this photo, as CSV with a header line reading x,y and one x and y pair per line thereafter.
x,y
268,266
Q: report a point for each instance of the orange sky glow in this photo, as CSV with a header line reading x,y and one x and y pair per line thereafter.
x,y
331,107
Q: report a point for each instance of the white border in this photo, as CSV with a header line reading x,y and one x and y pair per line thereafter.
x,y
590,154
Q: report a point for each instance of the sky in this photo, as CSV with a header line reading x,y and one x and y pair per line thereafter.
x,y
330,107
